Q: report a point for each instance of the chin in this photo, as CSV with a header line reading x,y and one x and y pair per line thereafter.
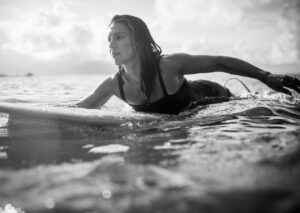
x,y
118,63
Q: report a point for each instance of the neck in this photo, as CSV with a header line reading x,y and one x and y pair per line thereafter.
x,y
133,69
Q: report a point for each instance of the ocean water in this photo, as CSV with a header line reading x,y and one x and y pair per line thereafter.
x,y
237,156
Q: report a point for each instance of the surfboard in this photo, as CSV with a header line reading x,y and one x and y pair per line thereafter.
x,y
82,116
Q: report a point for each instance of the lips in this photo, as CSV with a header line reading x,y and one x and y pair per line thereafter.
x,y
115,54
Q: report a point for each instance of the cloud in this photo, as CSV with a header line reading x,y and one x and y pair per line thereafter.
x,y
16,63
290,21
285,44
52,17
49,33
262,31
53,39
82,35
259,31
196,17
3,39
199,12
197,26
41,34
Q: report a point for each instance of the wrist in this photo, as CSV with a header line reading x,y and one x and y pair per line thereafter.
x,y
264,76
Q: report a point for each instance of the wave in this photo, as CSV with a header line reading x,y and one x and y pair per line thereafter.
x,y
15,100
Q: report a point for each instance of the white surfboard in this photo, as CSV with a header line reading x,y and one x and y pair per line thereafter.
x,y
74,115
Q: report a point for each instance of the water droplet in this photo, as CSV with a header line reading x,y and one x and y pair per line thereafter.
x,y
106,193
49,203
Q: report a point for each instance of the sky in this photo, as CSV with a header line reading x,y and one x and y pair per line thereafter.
x,y
70,36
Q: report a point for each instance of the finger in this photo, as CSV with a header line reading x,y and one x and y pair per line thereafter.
x,y
291,80
296,81
296,89
292,83
283,90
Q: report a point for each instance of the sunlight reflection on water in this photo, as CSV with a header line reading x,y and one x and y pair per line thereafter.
x,y
235,143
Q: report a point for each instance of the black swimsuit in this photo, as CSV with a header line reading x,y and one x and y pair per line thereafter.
x,y
169,104
189,94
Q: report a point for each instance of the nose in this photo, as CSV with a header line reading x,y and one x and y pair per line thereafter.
x,y
112,44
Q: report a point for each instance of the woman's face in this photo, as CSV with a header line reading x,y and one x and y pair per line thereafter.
x,y
120,44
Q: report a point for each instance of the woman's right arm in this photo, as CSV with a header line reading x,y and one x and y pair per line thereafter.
x,y
100,96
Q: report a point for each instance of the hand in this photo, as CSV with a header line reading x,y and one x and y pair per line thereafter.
x,y
281,82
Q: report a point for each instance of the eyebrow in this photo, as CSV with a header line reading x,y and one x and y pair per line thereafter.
x,y
116,33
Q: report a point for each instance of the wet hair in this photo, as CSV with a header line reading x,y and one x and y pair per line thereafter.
x,y
146,47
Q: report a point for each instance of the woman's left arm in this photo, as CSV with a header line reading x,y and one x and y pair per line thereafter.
x,y
279,83
192,64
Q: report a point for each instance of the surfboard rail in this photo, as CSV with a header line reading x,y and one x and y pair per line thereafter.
x,y
75,115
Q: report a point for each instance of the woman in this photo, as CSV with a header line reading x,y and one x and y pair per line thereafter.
x,y
151,82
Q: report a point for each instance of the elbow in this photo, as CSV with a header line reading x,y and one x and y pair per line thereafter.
x,y
80,105
84,104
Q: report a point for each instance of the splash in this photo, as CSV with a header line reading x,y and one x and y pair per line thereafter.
x,y
8,208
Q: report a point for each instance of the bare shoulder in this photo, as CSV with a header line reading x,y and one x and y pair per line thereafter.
x,y
174,62
101,94
109,84
181,63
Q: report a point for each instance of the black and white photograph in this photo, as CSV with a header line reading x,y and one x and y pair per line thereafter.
x,y
149,106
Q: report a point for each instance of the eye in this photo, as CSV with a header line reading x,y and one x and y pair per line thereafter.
x,y
115,37
118,37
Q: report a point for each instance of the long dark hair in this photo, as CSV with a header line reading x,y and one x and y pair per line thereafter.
x,y
146,47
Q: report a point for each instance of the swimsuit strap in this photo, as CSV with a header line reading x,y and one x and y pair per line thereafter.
x,y
121,83
162,85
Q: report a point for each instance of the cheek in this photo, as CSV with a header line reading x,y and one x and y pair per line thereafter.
x,y
128,44
129,47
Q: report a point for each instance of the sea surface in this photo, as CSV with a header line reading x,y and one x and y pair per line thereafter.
x,y
242,155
